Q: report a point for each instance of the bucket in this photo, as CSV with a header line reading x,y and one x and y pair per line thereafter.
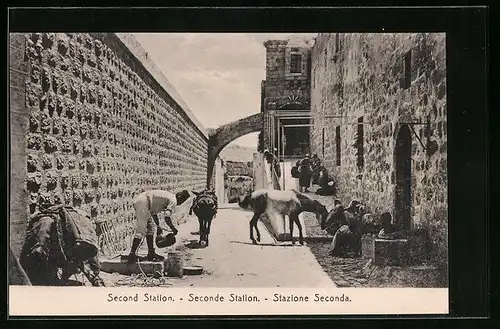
x,y
163,241
174,264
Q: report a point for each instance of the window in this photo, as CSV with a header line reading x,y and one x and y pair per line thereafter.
x,y
340,94
359,144
337,144
407,70
323,141
296,63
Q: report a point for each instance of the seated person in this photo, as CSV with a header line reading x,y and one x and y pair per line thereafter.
x,y
335,219
418,239
347,239
369,226
327,184
387,228
344,238
390,231
352,210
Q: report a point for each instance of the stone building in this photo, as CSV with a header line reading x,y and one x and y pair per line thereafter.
x,y
285,97
94,123
378,102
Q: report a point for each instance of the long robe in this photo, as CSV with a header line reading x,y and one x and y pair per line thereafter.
x,y
305,173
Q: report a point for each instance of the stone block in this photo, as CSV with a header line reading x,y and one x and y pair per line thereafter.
x,y
120,266
390,252
368,247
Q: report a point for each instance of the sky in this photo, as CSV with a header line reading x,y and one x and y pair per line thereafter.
x,y
218,75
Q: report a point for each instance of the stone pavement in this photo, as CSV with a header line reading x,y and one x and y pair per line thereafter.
x,y
231,260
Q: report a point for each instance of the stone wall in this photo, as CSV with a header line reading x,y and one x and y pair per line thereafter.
x,y
374,77
283,90
236,168
94,123
280,82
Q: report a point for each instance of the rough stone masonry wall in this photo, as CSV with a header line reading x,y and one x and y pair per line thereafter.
x,y
237,168
92,127
362,78
280,83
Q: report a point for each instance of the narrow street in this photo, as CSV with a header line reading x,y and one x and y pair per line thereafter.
x,y
231,260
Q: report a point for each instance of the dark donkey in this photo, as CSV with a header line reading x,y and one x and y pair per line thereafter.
x,y
205,208
285,203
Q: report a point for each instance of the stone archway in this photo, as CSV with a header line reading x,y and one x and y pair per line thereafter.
x,y
402,155
225,134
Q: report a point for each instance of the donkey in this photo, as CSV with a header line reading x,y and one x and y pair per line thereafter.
x,y
205,208
284,202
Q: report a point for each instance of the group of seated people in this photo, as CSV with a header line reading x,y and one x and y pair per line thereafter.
x,y
348,225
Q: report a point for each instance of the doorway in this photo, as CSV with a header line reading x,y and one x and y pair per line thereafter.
x,y
403,178
293,137
297,141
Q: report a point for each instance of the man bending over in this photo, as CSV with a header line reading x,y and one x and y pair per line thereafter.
x,y
147,206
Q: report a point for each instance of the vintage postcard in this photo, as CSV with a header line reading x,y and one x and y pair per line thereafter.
x,y
228,174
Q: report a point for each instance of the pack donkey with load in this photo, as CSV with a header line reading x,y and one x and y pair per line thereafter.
x,y
205,205
60,242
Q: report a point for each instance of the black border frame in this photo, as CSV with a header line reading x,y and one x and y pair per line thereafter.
x,y
467,92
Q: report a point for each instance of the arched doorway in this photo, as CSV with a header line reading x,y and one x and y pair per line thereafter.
x,y
225,134
403,178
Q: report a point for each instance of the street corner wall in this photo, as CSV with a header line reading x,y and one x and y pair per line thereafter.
x,y
19,117
219,180
363,75
94,123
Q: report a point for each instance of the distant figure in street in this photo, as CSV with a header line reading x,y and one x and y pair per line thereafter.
x,y
305,174
273,160
147,206
315,168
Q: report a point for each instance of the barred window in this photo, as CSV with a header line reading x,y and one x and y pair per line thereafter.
x,y
296,63
407,70
337,144
360,144
323,142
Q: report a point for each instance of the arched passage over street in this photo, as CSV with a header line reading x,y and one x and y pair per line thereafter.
x,y
227,133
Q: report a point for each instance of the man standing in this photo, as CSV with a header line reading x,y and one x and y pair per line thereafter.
x,y
273,161
305,174
147,206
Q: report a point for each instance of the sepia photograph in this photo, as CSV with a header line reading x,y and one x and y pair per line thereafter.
x,y
228,160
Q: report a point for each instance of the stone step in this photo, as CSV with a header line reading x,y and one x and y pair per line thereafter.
x,y
390,252
120,266
318,238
